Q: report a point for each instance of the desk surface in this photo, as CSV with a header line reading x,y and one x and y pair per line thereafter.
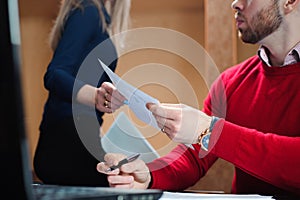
x,y
218,195
202,196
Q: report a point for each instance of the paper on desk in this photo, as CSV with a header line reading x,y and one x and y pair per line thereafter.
x,y
136,98
187,196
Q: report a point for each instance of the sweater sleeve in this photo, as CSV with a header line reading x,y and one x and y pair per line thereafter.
x,y
79,29
179,169
270,157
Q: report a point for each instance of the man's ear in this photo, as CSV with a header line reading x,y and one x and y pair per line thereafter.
x,y
290,5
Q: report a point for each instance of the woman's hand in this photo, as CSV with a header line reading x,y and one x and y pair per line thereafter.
x,y
180,122
107,98
130,175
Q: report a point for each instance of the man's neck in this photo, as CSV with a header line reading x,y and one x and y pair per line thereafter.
x,y
281,42
277,51
293,56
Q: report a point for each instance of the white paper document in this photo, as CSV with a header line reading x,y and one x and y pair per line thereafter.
x,y
187,196
123,132
136,98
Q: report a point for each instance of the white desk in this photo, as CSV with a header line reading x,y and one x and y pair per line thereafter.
x,y
188,196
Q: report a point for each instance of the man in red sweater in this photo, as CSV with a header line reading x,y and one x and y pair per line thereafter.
x,y
250,117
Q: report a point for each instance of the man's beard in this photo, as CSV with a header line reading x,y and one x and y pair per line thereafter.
x,y
265,22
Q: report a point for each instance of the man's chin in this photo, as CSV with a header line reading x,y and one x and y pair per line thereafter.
x,y
248,40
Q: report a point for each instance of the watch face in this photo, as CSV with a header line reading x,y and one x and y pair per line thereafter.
x,y
205,141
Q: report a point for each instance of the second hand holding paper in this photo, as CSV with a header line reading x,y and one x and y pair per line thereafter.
x,y
136,98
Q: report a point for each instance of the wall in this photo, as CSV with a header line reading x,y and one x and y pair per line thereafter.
x,y
186,17
36,20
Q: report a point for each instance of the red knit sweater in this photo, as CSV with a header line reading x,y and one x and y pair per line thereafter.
x,y
260,134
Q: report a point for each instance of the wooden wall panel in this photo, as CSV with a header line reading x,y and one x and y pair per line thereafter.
x,y
36,19
220,43
220,34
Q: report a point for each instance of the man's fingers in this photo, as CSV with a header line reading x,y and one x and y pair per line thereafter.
x,y
113,158
103,168
137,166
163,110
120,179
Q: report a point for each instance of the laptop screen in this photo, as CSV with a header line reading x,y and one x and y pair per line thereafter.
x,y
12,132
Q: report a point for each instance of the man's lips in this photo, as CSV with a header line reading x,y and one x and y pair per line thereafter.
x,y
239,20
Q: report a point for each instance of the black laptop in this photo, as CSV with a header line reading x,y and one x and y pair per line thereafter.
x,y
15,174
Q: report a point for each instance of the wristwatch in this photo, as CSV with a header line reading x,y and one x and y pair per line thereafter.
x,y
203,138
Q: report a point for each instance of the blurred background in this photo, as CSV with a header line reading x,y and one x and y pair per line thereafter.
x,y
209,23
